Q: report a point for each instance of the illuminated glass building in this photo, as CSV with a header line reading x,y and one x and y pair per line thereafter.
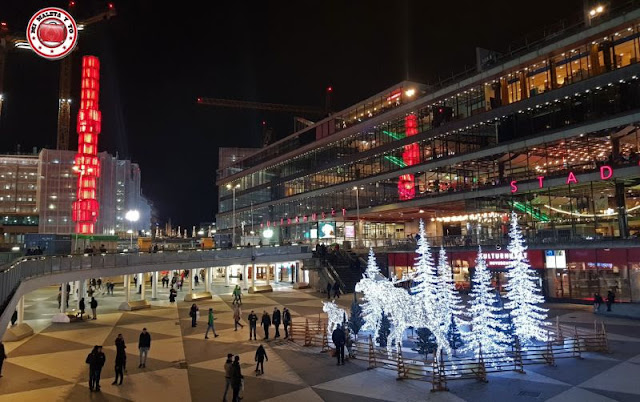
x,y
550,132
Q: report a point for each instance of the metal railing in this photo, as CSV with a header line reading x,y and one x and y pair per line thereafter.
x,y
33,266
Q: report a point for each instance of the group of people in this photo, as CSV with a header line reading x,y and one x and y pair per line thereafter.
x,y
598,300
275,319
97,359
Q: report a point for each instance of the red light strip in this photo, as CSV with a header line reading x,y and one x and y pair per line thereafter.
x,y
87,163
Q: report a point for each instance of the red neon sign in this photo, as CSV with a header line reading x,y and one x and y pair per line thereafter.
x,y
410,156
87,163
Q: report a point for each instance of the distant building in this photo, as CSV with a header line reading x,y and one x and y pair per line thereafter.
x,y
37,192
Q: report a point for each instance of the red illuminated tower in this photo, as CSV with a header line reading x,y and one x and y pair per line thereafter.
x,y
410,156
87,163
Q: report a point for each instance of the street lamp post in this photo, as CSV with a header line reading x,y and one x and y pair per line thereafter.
x,y
132,216
233,216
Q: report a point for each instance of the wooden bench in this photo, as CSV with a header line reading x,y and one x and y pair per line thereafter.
x,y
260,289
196,296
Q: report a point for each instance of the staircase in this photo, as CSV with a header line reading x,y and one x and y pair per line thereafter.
x,y
345,266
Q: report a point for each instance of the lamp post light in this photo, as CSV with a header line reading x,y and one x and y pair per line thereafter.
x,y
233,216
132,216
593,13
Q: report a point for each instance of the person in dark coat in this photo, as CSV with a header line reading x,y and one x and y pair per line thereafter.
x,y
286,321
14,317
3,356
336,290
81,307
339,340
329,287
236,378
266,323
276,320
95,360
253,321
121,360
193,313
172,295
144,344
261,356
611,298
94,307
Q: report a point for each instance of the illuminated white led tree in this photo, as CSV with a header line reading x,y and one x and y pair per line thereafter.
x,y
372,296
487,329
425,290
449,305
523,291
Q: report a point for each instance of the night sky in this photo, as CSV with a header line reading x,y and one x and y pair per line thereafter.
x,y
156,60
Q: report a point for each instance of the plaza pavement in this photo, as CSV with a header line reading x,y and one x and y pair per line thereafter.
x,y
183,366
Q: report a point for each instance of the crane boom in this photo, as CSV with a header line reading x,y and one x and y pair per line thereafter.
x,y
272,107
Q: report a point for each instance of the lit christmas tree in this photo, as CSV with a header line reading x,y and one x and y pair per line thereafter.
x,y
449,304
425,290
486,326
523,291
373,295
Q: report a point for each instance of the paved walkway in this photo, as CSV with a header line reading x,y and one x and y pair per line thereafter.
x,y
183,366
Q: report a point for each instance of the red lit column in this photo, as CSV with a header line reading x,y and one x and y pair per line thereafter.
x,y
410,156
87,163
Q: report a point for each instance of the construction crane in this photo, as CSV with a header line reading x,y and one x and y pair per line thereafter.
x,y
9,41
273,107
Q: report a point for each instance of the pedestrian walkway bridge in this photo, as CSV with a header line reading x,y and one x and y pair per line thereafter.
x,y
27,274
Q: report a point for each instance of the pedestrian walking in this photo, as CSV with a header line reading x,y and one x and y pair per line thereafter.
x,y
276,320
59,300
172,295
196,280
261,356
266,323
253,322
94,307
237,315
121,360
329,287
99,282
286,321
336,290
210,325
227,375
135,281
95,360
193,313
3,356
144,344
339,341
236,378
237,295
81,307
611,298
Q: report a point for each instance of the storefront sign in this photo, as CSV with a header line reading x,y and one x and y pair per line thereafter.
x,y
498,259
349,231
606,172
